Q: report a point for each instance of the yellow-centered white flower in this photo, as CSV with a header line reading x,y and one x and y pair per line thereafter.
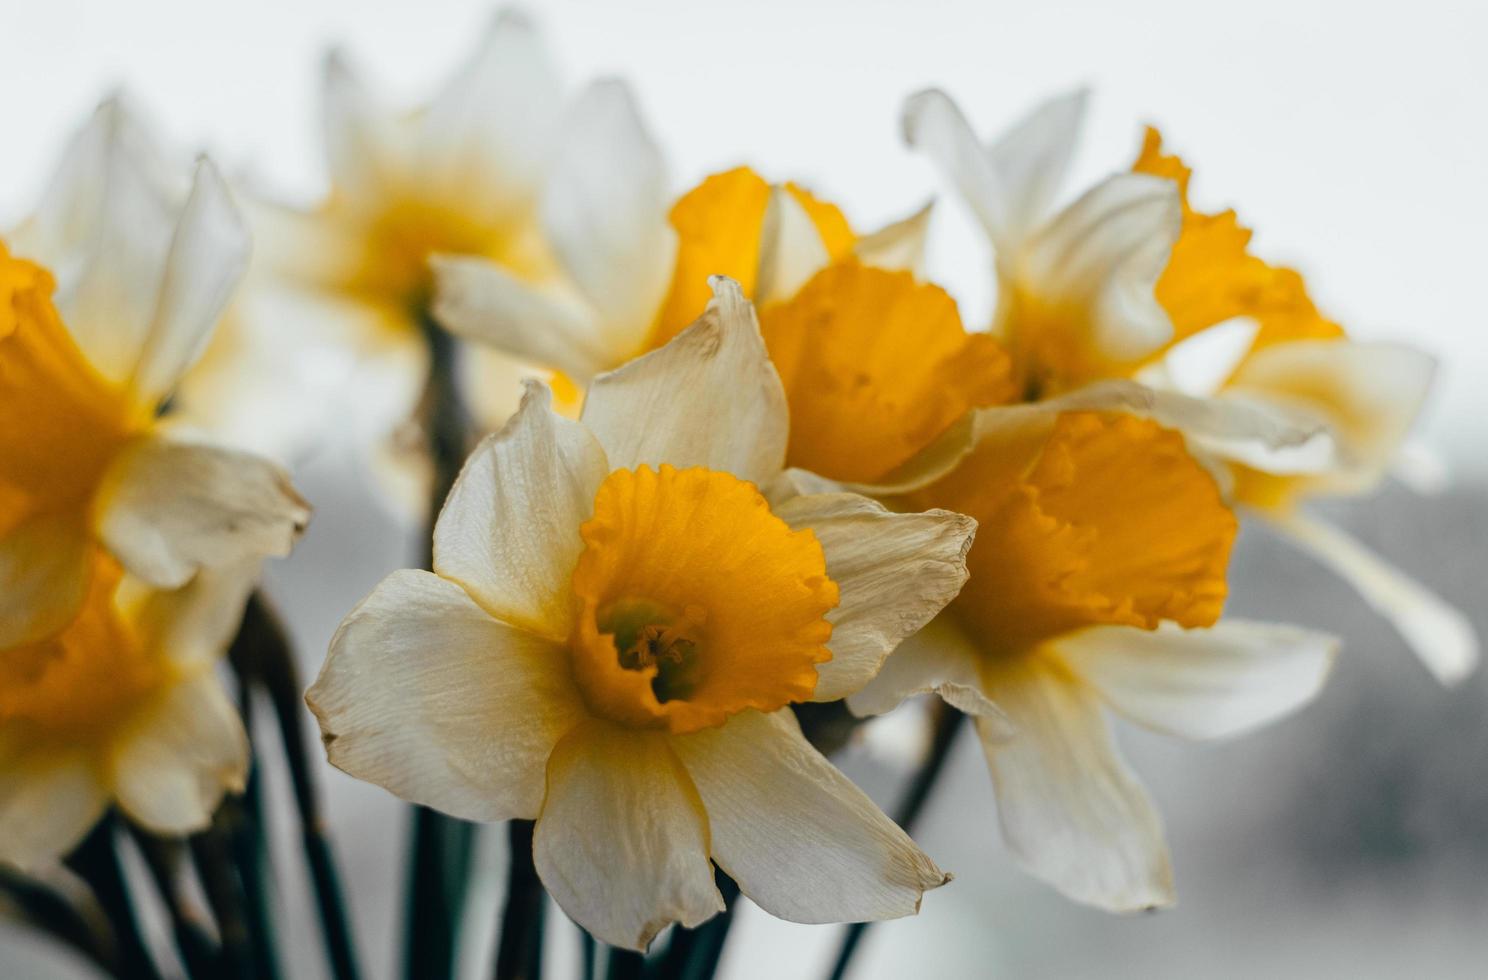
x,y
617,622
141,267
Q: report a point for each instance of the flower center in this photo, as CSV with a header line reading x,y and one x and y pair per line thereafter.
x,y
696,602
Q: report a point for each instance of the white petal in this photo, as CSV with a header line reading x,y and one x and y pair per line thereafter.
x,y
605,211
426,695
710,397
938,660
481,301
933,124
1032,158
1369,393
622,844
1439,633
1071,811
487,136
105,229
894,573
168,508
1204,683
208,255
801,840
48,802
899,245
1102,255
194,624
44,573
509,532
791,249
177,760
360,138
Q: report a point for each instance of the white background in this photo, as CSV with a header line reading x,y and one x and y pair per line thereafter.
x,y
1352,136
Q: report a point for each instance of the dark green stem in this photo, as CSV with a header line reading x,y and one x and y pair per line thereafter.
x,y
519,943
96,861
947,724
200,954
49,910
270,662
242,823
625,964
441,846
213,854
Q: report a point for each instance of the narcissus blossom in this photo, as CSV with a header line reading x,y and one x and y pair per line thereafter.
x,y
1114,284
121,708
633,264
88,357
619,616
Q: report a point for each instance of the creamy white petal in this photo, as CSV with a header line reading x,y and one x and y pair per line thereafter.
x,y
44,573
485,139
801,840
605,211
941,660
194,624
1203,683
1440,634
894,573
622,843
1072,813
208,255
360,137
898,245
791,249
48,802
426,695
167,508
1369,393
509,531
108,244
180,756
483,302
934,125
1032,158
1102,255
710,397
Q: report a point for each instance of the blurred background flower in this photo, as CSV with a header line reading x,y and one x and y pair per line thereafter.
x,y
1349,840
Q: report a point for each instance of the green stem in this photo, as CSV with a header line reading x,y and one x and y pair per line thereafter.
x,y
441,845
947,724
200,954
625,964
220,880
96,861
519,949
271,664
693,954
52,912
242,825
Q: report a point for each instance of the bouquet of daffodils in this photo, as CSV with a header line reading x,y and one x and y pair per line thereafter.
x,y
710,479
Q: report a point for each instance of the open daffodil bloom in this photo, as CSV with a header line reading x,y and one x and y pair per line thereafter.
x,y
85,365
619,615
121,707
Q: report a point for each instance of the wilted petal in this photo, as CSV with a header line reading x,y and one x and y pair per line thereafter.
x,y
1203,683
168,508
941,660
710,397
622,843
509,531
801,840
1071,811
427,696
894,573
189,748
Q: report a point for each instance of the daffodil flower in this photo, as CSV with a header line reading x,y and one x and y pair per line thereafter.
x,y
1128,279
142,273
633,265
617,622
121,708
1097,575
